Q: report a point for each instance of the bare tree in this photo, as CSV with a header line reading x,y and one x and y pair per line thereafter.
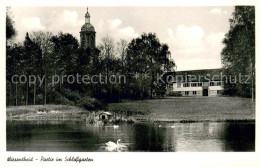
x,y
122,50
107,48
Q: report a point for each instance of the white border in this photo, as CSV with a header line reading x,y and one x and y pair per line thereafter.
x,y
126,159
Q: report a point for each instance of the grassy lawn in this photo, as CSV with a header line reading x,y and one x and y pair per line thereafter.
x,y
32,109
191,109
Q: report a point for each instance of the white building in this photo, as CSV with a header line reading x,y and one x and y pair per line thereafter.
x,y
196,83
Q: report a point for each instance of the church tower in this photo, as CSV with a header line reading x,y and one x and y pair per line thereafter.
x,y
87,34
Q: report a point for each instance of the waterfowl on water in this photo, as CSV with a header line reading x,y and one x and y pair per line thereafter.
x,y
116,126
112,144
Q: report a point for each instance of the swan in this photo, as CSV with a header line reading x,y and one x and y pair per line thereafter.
x,y
172,126
160,126
116,126
112,144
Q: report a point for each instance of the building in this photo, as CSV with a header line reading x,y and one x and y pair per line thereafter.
x,y
87,34
196,83
88,37
105,115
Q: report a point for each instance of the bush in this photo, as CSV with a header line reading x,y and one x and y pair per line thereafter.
x,y
175,94
57,98
130,108
71,95
89,103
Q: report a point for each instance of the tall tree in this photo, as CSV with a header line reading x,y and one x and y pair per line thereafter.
x,y
109,63
121,47
238,55
65,47
32,64
10,29
43,39
14,60
147,56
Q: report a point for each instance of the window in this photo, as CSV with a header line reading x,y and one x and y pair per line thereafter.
x,y
194,84
194,92
186,85
186,93
178,85
219,83
211,84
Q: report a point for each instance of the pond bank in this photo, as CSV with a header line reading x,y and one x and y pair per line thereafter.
x,y
63,112
182,110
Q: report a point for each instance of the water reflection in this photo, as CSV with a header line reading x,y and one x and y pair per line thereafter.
x,y
239,137
49,136
77,136
147,137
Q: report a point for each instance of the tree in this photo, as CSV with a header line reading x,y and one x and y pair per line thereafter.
x,y
121,47
64,56
111,65
43,39
238,55
14,60
10,29
32,63
147,56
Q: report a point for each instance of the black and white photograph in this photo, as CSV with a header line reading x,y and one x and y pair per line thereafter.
x,y
137,79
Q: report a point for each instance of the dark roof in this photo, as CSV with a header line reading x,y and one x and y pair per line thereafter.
x,y
87,14
198,75
87,27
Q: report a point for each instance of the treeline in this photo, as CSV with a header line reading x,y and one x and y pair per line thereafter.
x,y
45,55
238,55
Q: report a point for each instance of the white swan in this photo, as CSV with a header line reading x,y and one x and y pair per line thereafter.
x,y
112,144
116,126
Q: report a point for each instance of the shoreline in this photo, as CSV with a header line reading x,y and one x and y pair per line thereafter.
x,y
175,110
29,114
157,121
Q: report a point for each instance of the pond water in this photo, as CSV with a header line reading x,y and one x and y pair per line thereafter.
x,y
77,136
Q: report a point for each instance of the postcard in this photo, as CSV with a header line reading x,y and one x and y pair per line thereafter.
x,y
136,84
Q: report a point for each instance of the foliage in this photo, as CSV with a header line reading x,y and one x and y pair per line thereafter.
x,y
89,103
175,94
10,29
148,57
45,55
238,55
127,108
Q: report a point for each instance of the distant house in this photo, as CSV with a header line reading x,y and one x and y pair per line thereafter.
x,y
104,115
205,82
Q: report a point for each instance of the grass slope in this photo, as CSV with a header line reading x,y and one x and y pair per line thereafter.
x,y
32,109
192,109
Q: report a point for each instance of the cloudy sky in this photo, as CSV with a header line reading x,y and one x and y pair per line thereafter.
x,y
194,34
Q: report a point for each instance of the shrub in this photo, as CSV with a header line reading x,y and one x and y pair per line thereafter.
x,y
71,95
89,103
57,98
175,94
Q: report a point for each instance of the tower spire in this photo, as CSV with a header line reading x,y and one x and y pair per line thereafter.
x,y
87,17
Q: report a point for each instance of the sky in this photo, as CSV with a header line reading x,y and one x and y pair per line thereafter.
x,y
193,34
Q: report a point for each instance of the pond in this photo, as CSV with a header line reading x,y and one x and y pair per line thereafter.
x,y
76,136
